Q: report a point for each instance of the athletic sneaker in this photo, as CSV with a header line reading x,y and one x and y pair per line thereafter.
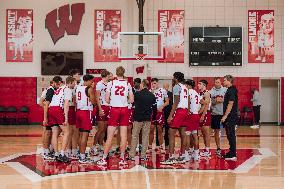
x,y
48,156
181,159
94,151
144,158
130,158
219,152
122,162
169,161
196,157
74,157
102,161
84,161
63,158
205,153
230,157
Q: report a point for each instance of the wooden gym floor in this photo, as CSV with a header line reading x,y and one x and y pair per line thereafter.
x,y
260,165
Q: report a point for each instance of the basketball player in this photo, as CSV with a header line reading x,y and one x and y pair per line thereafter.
x,y
85,99
162,101
205,116
193,125
58,117
74,132
177,116
102,112
57,80
46,131
119,94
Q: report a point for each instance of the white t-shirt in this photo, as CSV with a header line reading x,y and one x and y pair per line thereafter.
x,y
160,94
119,91
102,87
60,95
194,101
181,91
82,100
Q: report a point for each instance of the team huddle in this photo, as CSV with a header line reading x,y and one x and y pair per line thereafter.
x,y
70,106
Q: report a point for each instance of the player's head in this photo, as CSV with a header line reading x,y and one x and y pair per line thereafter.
x,y
57,80
51,83
137,82
228,80
120,71
88,80
217,82
76,74
267,23
190,83
71,82
202,84
107,27
105,74
177,21
154,83
144,84
178,77
166,85
110,77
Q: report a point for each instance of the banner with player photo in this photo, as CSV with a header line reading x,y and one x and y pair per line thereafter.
x,y
261,36
107,26
19,35
171,22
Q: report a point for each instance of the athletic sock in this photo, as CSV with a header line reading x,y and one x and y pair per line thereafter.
x,y
62,152
46,151
74,152
122,155
104,156
82,156
56,154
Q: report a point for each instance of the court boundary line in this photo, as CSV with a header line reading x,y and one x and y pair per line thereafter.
x,y
34,177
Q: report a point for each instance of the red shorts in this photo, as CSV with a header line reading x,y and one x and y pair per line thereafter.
x,y
131,112
72,115
84,119
179,118
106,112
160,119
207,120
55,116
194,121
118,116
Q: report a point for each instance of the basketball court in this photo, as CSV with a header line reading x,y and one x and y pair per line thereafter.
x,y
202,39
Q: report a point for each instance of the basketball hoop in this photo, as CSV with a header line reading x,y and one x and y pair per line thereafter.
x,y
140,56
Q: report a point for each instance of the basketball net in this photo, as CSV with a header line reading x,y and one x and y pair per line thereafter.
x,y
140,56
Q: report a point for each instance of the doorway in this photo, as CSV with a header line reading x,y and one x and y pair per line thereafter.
x,y
270,101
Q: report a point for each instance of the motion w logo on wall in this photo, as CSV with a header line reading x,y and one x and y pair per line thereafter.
x,y
60,20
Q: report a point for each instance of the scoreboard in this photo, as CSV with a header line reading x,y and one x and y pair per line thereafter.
x,y
215,46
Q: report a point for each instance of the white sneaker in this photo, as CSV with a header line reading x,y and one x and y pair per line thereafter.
x,y
205,153
258,58
122,162
196,157
102,161
264,59
169,161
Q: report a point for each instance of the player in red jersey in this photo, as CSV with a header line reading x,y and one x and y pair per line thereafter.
x,y
119,94
162,100
85,100
205,116
58,117
177,117
102,112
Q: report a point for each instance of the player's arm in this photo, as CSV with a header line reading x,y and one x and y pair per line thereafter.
x,y
189,102
228,110
92,95
130,95
66,110
109,85
167,102
48,98
205,106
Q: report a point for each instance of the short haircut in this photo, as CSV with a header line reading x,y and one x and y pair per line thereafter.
x,y
190,82
70,79
204,82
179,76
137,80
216,78
229,78
120,71
154,80
145,83
57,79
51,82
105,73
88,77
74,72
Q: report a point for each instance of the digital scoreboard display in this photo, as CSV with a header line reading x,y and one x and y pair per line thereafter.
x,y
215,46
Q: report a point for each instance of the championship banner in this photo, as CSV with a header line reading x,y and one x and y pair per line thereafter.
x,y
107,26
19,35
171,22
261,36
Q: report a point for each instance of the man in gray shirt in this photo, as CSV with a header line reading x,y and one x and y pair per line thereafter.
x,y
256,108
217,99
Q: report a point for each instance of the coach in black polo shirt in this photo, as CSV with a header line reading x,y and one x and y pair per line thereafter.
x,y
230,116
144,105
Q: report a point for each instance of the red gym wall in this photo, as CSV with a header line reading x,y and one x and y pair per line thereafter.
x,y
21,91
